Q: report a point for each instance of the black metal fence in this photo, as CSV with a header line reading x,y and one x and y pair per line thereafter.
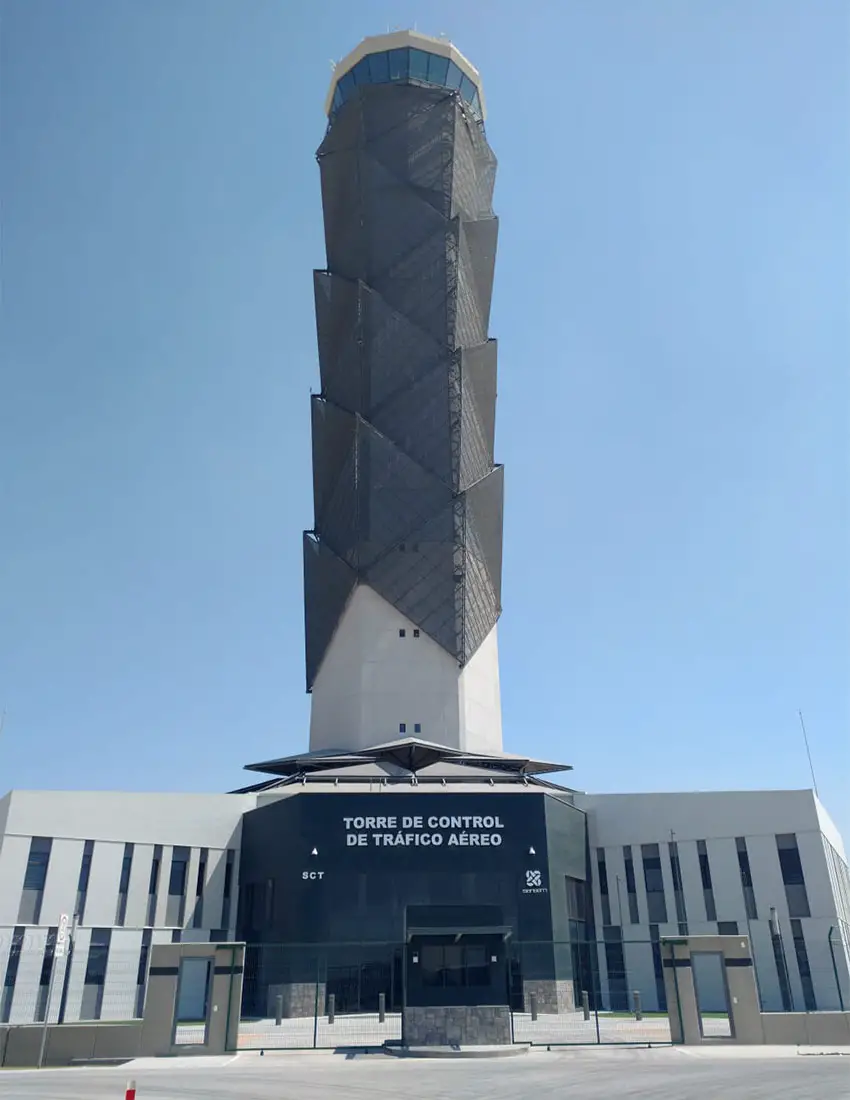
x,y
603,991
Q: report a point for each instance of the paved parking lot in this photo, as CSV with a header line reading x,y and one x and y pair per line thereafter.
x,y
660,1074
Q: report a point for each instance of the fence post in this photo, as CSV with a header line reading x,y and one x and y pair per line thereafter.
x,y
316,1004
636,999
532,997
278,1010
585,1004
382,1008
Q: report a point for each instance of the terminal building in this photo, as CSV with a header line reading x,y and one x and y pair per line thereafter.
x,y
406,853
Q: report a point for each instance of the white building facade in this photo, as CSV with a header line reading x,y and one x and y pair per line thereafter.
x,y
138,869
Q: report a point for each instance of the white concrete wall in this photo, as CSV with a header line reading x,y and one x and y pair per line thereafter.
x,y
718,818
109,819
480,699
371,681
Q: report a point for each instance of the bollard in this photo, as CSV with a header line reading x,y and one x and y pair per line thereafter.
x,y
130,1094
638,1012
585,1004
331,1007
278,1009
382,1007
532,997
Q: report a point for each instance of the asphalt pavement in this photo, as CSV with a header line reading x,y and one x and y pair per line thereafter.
x,y
591,1074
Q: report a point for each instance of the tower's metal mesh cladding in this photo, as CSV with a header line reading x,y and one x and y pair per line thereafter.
x,y
407,497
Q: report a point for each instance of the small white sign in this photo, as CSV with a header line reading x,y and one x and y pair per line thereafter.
x,y
61,937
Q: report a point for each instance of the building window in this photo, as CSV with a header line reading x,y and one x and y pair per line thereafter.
x,y
417,727
29,911
228,888
124,885
416,633
602,870
727,928
678,889
402,727
631,886
44,977
402,632
792,875
83,880
153,884
705,875
454,966
198,915
95,978
803,965
746,878
176,902
658,967
615,965
781,965
9,980
142,976
654,881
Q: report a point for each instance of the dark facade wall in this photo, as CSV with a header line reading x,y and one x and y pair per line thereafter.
x,y
363,882
407,496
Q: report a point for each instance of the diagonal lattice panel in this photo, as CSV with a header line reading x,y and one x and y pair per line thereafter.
x,y
484,510
418,578
333,431
397,495
340,333
416,419
474,171
407,495
478,379
418,152
397,352
328,583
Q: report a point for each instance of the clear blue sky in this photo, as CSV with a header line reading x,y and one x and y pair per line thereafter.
x,y
672,310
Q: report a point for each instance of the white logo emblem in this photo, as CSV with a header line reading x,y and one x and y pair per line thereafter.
x,y
532,878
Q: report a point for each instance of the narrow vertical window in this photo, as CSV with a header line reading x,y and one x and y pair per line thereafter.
x,y
631,885
602,870
803,965
95,977
198,915
44,976
654,881
228,889
792,875
124,885
83,880
658,967
705,875
142,976
176,901
678,889
35,876
746,878
153,884
11,975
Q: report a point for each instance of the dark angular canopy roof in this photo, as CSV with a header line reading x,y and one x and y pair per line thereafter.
x,y
409,754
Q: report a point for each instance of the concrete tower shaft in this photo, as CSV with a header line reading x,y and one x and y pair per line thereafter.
x,y
403,565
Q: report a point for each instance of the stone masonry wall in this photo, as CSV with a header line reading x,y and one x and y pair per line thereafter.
x,y
553,996
457,1025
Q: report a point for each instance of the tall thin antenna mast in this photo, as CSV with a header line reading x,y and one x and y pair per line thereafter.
x,y
808,753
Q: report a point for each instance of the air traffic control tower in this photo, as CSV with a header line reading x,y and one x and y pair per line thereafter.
x,y
402,569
